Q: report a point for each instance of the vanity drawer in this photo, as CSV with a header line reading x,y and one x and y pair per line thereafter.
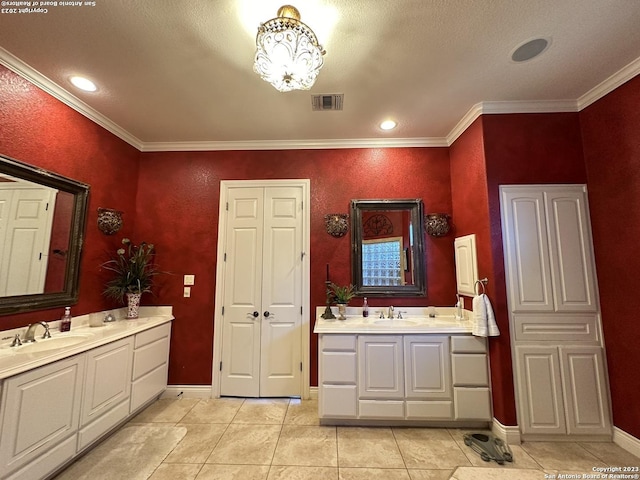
x,y
429,410
470,369
152,335
338,367
468,344
555,328
381,409
338,342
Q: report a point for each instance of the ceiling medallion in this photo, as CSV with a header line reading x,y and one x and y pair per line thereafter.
x,y
287,52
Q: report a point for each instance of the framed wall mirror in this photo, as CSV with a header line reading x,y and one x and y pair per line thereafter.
x,y
42,222
387,238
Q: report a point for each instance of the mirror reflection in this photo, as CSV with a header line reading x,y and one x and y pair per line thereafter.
x,y
388,248
42,217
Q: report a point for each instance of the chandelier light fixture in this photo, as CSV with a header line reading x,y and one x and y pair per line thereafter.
x,y
287,52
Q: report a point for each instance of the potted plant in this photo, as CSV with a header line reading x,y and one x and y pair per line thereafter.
x,y
134,270
341,296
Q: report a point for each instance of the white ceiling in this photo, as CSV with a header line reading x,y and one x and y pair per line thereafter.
x,y
177,74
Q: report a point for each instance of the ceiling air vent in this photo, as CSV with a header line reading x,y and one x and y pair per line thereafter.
x,y
327,102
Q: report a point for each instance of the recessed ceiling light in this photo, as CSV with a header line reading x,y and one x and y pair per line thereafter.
x,y
83,84
530,49
388,125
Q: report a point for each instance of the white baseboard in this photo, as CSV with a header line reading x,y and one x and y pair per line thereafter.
x,y
627,441
509,434
187,391
313,393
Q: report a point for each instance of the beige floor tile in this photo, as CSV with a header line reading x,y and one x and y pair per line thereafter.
x,y
611,454
307,445
302,473
176,470
429,448
246,445
562,456
374,474
262,411
302,412
368,447
233,472
521,459
430,474
197,444
479,473
214,410
165,410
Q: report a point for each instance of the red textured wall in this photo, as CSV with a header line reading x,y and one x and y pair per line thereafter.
x,y
177,209
500,150
40,130
611,136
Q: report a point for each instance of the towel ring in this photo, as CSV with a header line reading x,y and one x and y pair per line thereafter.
x,y
482,282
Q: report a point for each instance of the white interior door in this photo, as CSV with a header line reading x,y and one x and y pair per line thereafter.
x,y
263,292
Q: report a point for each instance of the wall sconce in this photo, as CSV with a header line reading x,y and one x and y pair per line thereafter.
x,y
437,224
336,223
109,220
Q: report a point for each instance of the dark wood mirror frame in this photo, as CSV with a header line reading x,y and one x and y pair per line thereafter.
x,y
80,192
415,210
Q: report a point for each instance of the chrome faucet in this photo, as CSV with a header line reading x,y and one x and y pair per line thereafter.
x,y
29,336
390,315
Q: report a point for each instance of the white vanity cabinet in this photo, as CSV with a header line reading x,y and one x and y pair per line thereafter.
x,y
403,378
150,365
40,417
106,390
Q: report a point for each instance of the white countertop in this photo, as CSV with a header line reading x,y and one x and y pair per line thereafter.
x,y
415,320
14,360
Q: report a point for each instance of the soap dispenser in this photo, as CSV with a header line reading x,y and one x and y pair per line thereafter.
x,y
365,308
65,322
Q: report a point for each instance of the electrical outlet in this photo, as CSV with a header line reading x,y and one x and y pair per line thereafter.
x,y
187,292
189,279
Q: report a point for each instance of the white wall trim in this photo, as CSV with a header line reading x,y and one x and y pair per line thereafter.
x,y
188,391
17,66
627,441
545,106
610,84
313,393
509,434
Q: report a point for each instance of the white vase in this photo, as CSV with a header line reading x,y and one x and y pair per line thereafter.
x,y
133,304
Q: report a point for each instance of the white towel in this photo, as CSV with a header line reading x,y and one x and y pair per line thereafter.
x,y
484,321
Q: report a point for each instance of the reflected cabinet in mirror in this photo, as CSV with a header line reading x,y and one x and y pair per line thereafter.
x,y
42,220
388,247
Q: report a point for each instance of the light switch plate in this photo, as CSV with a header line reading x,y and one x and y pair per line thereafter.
x,y
187,292
189,279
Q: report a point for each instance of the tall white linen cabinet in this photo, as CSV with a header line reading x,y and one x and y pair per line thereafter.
x,y
554,313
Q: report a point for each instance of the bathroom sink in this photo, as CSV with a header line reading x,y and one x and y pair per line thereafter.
x,y
52,343
395,323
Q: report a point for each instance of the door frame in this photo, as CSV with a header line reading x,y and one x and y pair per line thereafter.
x,y
305,325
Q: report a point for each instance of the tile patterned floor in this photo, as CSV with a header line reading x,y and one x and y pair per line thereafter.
x,y
276,439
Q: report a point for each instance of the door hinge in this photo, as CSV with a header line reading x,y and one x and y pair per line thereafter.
x,y
302,254
227,206
220,366
300,366
223,310
224,258
40,257
46,207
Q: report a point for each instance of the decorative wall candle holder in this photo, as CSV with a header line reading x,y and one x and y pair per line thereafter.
x,y
109,220
437,224
337,224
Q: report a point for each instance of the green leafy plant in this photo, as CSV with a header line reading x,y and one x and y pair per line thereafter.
x,y
134,270
342,294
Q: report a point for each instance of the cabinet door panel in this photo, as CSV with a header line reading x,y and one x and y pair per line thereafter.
x,y
338,401
472,403
540,390
380,369
571,251
526,250
585,390
427,366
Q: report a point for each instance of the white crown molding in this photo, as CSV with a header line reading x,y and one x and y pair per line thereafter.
x,y
16,65
294,144
550,106
610,84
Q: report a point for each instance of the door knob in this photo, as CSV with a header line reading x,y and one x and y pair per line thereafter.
x,y
266,314
255,314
